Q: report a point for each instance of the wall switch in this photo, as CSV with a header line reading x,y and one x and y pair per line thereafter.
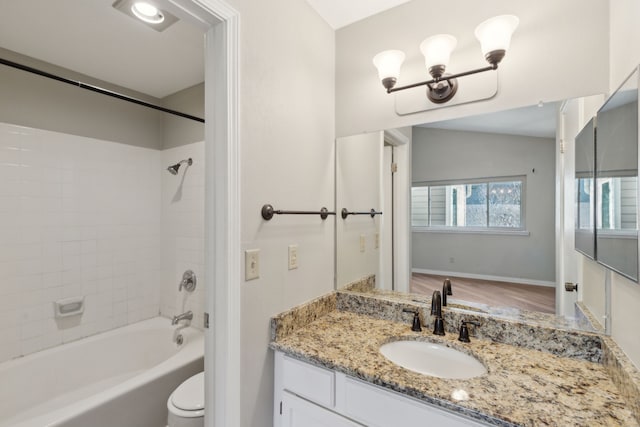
x,y
377,240
293,257
362,243
251,264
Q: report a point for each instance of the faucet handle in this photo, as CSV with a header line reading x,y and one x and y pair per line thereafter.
x,y
415,326
188,281
464,330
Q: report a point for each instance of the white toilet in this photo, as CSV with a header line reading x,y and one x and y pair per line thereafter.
x,y
186,403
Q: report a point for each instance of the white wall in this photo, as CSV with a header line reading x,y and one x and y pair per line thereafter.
x,y
624,56
624,40
559,51
78,216
182,231
441,155
287,122
86,209
99,219
358,188
624,47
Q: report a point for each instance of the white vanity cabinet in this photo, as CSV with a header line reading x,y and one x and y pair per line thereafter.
x,y
310,396
297,412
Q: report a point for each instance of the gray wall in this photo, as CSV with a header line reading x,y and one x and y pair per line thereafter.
x,y
176,130
448,155
34,101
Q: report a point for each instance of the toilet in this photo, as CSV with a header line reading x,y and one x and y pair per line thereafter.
x,y
186,403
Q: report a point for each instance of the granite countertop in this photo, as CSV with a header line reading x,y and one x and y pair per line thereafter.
x,y
523,387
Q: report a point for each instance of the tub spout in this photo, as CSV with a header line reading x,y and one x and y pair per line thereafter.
x,y
184,316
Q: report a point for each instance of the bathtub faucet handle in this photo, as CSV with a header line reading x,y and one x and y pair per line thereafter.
x,y
188,281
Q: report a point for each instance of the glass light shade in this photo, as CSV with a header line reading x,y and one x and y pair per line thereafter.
x,y
437,49
495,33
388,63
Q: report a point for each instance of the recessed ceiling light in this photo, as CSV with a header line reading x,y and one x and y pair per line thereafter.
x,y
147,12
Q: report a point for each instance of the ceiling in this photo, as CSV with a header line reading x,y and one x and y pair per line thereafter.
x,y
92,38
340,13
536,120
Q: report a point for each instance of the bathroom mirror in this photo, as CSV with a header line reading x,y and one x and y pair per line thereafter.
x,y
483,197
358,191
585,239
617,180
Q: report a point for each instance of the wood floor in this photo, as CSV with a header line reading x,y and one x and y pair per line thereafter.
x,y
497,294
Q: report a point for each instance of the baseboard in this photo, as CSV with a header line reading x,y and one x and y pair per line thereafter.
x,y
486,277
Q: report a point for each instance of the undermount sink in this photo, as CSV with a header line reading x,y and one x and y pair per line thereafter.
x,y
432,359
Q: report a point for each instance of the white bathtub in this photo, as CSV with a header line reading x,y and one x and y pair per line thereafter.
x,y
119,378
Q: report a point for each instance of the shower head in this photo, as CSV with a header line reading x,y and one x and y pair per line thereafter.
x,y
173,169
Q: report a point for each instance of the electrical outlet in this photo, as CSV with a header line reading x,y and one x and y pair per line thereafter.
x,y
251,264
452,260
377,240
293,257
362,243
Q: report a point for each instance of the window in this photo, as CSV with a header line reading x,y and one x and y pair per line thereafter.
x,y
616,203
494,203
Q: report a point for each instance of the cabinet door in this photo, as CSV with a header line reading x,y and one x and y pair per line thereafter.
x,y
297,412
376,407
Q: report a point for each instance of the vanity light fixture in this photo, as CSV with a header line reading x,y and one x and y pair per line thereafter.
x,y
494,35
146,12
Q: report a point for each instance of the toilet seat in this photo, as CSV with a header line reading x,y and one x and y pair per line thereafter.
x,y
187,400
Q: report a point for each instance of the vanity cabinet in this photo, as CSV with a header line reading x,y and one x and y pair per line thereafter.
x,y
298,412
310,396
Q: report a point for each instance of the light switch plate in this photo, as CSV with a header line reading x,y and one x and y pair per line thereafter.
x,y
362,243
251,264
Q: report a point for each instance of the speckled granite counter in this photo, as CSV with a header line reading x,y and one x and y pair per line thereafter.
x,y
523,386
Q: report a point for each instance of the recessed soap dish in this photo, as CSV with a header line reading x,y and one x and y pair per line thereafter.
x,y
68,306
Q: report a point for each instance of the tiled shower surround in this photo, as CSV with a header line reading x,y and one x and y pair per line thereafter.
x,y
86,217
182,233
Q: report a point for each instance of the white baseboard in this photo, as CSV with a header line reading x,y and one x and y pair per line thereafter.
x,y
486,277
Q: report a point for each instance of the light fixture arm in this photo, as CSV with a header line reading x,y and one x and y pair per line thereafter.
x,y
444,78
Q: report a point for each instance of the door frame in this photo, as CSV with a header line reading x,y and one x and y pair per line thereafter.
x,y
221,23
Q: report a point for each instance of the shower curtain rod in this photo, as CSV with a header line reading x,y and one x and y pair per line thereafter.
x,y
97,89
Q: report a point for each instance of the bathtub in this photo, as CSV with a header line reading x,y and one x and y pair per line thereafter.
x,y
118,378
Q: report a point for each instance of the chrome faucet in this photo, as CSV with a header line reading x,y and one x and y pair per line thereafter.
x,y
446,290
184,316
436,310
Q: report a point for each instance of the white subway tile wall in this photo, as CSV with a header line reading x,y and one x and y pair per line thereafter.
x,y
81,216
183,231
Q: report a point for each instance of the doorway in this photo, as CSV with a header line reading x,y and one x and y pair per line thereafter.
x,y
222,206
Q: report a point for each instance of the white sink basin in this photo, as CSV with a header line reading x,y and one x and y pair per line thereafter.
x,y
432,359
